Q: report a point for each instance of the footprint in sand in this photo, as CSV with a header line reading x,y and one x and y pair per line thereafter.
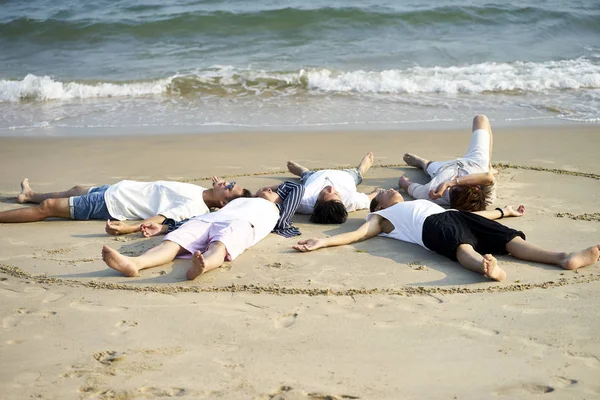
x,y
22,316
158,392
472,328
589,360
562,382
286,320
123,327
108,357
52,297
89,306
567,296
525,389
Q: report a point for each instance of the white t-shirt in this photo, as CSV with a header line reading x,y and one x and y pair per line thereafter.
x,y
141,200
342,182
260,213
408,219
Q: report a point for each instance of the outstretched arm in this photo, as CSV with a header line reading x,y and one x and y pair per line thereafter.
x,y
122,228
508,211
366,231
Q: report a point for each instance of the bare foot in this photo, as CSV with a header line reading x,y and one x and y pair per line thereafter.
x,y
404,182
119,262
365,163
198,266
415,161
26,192
582,258
296,168
491,268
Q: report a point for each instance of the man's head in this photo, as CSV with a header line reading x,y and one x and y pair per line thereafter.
x,y
385,199
467,198
329,208
268,194
227,191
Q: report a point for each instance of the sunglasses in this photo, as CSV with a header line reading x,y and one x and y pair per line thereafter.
x,y
230,186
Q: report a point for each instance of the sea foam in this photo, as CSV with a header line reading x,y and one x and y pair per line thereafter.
x,y
509,78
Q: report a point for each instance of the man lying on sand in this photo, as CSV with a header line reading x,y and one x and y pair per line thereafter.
x,y
213,238
467,237
125,200
329,195
466,183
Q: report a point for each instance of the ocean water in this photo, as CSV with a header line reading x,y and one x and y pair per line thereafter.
x,y
111,67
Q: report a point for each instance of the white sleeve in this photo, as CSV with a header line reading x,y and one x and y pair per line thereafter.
x,y
179,212
418,191
359,201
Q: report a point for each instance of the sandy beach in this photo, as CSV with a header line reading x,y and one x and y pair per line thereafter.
x,y
375,320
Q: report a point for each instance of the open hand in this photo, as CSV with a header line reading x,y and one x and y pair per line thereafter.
x,y
150,229
509,211
309,245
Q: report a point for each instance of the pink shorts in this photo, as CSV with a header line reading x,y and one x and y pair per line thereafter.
x,y
196,235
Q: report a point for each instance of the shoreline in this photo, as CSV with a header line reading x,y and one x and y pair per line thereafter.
x,y
546,122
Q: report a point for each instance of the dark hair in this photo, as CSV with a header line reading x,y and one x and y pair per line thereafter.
x,y
467,198
329,212
374,204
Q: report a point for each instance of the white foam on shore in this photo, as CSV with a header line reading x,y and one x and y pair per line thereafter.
x,y
43,88
479,78
503,78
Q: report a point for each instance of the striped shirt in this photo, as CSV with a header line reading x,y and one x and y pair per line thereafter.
x,y
291,195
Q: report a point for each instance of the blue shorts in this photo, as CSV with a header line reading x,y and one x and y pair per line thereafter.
x,y
353,173
90,205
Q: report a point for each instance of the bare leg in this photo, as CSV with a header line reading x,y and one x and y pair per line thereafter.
x,y
27,194
296,168
211,259
486,265
415,161
47,209
130,266
366,163
482,122
523,250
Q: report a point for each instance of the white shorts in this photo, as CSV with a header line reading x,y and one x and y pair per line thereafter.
x,y
478,152
196,235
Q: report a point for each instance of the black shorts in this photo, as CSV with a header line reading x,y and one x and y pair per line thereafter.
x,y
444,232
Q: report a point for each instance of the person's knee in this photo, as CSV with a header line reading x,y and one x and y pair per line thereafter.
x,y
481,122
79,188
50,208
217,246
